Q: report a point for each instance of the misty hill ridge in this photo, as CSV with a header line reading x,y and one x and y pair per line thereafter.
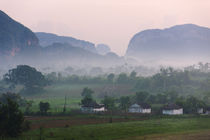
x,y
184,41
15,37
22,45
47,39
103,49
63,54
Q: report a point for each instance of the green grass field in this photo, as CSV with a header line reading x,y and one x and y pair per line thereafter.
x,y
55,95
160,127
124,130
190,135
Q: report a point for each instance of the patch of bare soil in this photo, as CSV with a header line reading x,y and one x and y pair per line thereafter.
x,y
54,122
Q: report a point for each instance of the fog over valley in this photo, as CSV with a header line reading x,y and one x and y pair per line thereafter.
x,y
104,70
149,50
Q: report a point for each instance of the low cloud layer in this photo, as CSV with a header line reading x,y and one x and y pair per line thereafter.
x,y
106,21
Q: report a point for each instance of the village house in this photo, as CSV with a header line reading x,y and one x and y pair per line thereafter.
x,y
172,109
140,108
92,108
200,110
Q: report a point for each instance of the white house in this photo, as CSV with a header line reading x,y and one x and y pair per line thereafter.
x,y
140,108
172,109
93,108
200,111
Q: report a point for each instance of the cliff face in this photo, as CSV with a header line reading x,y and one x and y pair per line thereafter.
x,y
179,42
15,37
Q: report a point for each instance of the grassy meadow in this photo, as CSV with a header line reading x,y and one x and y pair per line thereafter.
x,y
114,125
55,95
123,130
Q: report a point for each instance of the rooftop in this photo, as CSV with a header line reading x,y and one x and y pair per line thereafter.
x,y
171,106
94,105
142,105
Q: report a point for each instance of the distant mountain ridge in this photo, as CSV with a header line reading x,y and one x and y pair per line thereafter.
x,y
15,37
186,41
64,49
178,43
103,49
19,45
47,39
68,54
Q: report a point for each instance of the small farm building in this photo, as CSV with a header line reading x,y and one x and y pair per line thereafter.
x,y
172,109
140,108
93,108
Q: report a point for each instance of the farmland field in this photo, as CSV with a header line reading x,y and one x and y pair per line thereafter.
x,y
194,135
156,128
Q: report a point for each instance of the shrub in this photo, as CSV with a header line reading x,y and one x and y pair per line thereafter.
x,y
11,119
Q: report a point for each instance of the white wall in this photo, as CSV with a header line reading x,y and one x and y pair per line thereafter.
x,y
90,109
200,111
99,109
173,112
146,110
139,110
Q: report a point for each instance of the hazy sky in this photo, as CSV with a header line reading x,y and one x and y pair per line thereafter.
x,y
112,22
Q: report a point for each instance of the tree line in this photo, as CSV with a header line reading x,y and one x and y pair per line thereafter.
x,y
184,82
190,104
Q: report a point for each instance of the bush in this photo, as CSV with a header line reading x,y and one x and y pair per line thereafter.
x,y
26,126
11,119
44,107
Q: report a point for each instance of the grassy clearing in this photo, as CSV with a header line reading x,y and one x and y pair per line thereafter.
x,y
55,95
123,130
56,104
60,90
192,135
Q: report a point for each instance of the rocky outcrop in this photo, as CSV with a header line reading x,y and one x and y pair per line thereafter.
x,y
181,42
15,37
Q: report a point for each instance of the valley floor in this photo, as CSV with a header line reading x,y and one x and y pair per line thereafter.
x,y
92,128
195,135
